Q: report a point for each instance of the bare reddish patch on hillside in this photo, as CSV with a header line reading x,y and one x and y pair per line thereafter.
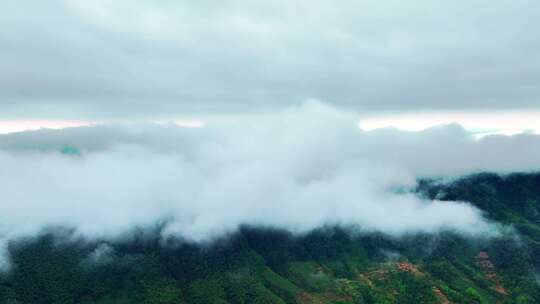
x,y
501,290
441,296
482,259
408,267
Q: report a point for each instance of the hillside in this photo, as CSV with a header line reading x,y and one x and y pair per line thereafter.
x,y
328,265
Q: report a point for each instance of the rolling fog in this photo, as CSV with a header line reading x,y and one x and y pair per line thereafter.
x,y
297,169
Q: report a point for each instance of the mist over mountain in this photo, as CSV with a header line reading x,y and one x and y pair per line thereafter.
x,y
297,169
331,264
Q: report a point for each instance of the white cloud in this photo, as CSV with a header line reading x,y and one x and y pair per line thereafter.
x,y
297,169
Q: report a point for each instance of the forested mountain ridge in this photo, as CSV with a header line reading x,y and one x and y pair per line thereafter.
x,y
329,265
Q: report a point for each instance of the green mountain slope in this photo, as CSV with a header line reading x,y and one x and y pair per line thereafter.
x,y
329,265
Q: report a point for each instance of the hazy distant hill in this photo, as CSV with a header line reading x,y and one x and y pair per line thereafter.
x,y
329,265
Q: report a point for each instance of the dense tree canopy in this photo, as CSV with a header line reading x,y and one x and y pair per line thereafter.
x,y
328,265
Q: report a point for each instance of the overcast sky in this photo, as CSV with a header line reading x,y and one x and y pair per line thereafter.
x,y
79,59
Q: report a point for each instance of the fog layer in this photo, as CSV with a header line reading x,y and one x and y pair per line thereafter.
x,y
297,169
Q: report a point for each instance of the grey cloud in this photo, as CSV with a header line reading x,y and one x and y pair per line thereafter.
x,y
125,59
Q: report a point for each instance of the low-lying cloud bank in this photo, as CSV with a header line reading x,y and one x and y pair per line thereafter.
x,y
297,169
